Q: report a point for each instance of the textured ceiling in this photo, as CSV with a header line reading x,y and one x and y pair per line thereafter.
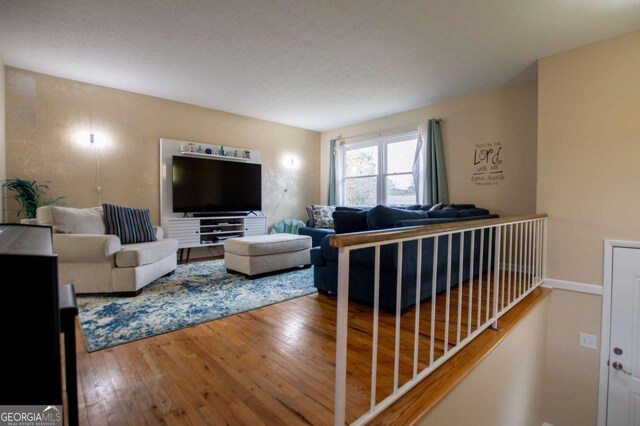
x,y
316,64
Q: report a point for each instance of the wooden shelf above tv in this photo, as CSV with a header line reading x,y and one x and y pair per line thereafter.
x,y
217,157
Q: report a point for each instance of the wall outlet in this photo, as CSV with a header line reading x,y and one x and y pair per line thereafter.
x,y
588,341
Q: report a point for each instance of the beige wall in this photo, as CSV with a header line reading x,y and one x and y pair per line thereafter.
x,y
507,115
588,156
44,114
588,153
507,387
571,376
2,139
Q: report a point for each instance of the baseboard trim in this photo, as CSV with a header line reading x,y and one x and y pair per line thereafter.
x,y
573,286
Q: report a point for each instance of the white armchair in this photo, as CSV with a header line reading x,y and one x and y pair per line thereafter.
x,y
95,262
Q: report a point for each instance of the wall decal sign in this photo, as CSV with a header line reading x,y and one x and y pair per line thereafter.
x,y
487,164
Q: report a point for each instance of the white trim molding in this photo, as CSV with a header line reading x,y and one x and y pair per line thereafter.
x,y
573,286
605,333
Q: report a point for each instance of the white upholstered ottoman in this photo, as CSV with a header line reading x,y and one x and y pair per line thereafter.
x,y
266,253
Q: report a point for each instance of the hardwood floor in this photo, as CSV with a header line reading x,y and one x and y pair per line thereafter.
x,y
273,365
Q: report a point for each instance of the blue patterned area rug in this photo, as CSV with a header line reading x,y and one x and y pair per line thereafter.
x,y
195,293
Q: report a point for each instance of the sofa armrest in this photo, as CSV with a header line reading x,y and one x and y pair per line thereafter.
x,y
85,247
316,234
159,232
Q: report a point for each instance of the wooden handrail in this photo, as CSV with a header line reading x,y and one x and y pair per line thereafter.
x,y
368,237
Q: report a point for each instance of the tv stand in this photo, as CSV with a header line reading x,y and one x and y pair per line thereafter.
x,y
213,230
223,214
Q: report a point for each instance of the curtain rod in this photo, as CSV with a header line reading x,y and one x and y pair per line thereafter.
x,y
378,134
381,133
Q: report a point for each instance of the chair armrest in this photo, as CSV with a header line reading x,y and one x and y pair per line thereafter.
x,y
159,232
85,247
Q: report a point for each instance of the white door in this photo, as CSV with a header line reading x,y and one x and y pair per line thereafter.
x,y
623,404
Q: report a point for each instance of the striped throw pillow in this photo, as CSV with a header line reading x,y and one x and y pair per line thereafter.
x,y
130,225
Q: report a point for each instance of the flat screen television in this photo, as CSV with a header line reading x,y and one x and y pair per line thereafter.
x,y
203,185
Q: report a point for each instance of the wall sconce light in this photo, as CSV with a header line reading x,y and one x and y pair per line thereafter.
x,y
290,162
92,139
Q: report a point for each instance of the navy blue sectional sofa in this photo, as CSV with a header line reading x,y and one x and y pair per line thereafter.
x,y
361,267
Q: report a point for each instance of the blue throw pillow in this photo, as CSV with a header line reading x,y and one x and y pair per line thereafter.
x,y
462,206
130,225
310,216
345,221
447,212
473,212
383,217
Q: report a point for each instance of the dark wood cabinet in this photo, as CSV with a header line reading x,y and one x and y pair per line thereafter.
x,y
30,314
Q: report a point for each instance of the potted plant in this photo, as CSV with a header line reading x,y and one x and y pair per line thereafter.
x,y
27,194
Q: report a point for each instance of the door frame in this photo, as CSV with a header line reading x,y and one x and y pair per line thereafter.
x,y
605,330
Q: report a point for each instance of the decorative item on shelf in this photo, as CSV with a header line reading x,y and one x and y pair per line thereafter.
x,y
208,151
221,150
246,154
192,147
200,149
184,148
235,153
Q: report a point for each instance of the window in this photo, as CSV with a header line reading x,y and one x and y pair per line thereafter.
x,y
379,171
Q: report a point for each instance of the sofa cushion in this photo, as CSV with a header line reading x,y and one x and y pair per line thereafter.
x,y
383,217
350,209
447,212
267,244
132,255
316,234
349,221
462,206
473,212
413,207
322,216
69,220
130,225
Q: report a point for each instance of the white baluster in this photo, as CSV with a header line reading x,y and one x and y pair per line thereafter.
x,y
481,268
341,335
473,249
416,327
496,277
396,366
510,263
460,279
433,300
376,314
448,297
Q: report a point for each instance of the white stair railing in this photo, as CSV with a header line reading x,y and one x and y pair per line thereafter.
x,y
505,266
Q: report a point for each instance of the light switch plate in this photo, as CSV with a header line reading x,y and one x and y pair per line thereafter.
x,y
588,341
